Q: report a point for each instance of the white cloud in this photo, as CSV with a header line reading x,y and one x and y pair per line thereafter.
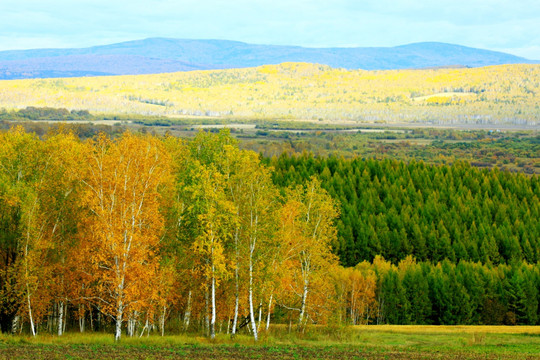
x,y
528,52
493,24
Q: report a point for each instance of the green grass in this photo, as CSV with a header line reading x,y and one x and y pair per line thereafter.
x,y
316,343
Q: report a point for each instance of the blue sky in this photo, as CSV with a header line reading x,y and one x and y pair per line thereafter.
x,y
505,25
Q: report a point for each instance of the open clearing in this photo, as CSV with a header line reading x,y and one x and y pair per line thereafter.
x,y
360,342
443,94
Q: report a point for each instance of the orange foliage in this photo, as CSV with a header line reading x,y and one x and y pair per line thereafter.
x,y
124,225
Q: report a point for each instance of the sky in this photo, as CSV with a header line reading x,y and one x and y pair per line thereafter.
x,y
511,26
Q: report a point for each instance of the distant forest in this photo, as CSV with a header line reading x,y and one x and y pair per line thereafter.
x,y
45,113
504,94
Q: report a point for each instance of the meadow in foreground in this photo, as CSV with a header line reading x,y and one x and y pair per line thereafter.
x,y
359,342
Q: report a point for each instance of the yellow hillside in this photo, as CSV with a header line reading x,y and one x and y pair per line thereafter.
x,y
508,93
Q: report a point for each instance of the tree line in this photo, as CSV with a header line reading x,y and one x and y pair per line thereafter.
x,y
444,293
45,113
141,233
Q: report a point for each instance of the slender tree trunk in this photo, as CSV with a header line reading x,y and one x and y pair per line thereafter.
x,y
162,320
32,327
60,318
130,325
145,327
380,311
187,314
81,319
303,305
15,324
236,286
251,311
269,312
26,270
252,243
236,302
213,319
119,318
207,314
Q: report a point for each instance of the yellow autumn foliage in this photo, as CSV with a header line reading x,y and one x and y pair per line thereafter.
x,y
506,93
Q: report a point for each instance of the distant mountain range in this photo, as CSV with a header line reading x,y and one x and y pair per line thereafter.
x,y
160,55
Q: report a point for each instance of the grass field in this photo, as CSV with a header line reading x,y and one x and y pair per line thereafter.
x,y
360,342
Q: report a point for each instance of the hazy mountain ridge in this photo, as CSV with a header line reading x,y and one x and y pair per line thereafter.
x,y
160,55
92,65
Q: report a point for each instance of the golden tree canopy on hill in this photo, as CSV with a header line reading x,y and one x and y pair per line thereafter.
x,y
494,94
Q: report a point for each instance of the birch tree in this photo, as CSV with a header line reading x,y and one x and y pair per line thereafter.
x,y
307,235
206,216
257,202
23,169
125,224
60,206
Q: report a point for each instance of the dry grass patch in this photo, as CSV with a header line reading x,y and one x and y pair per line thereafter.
x,y
452,329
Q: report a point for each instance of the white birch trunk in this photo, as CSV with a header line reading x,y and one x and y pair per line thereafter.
x,y
236,286
303,305
26,270
187,314
15,324
236,303
253,242
269,312
207,314
60,318
251,312
130,325
146,327
213,318
119,318
81,320
162,320
32,327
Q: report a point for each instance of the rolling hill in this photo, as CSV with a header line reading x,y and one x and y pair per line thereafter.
x,y
161,55
503,94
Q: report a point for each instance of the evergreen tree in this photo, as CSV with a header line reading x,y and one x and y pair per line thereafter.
x,y
396,305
